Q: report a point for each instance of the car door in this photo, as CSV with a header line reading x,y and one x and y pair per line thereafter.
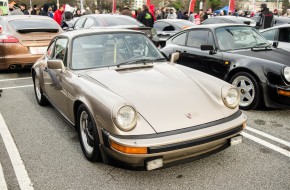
x,y
192,56
55,82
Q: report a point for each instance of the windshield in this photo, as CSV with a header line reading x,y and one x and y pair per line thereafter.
x,y
116,21
239,37
104,50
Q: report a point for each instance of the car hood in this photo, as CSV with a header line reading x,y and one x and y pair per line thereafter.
x,y
276,55
164,95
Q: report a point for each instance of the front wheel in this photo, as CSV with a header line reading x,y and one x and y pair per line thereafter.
x,y
41,100
249,90
88,134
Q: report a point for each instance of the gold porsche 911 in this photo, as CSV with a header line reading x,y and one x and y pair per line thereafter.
x,y
130,106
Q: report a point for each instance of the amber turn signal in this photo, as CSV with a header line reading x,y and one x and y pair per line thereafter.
x,y
283,93
128,150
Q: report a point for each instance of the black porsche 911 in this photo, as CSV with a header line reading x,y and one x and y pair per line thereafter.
x,y
240,55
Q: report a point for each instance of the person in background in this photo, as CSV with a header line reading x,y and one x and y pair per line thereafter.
x,y
266,18
163,14
58,14
276,12
152,11
191,17
34,10
1,13
44,11
157,14
201,14
180,15
23,9
146,17
126,11
78,13
207,14
50,12
134,13
172,14
16,10
88,11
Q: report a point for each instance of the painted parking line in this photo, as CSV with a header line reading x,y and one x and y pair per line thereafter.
x,y
268,136
13,87
17,163
24,78
3,185
267,144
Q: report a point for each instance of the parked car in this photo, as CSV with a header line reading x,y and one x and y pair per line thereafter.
x,y
114,21
278,20
229,19
24,39
240,55
168,27
280,33
129,105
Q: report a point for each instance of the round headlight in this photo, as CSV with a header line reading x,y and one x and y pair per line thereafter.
x,y
287,73
126,118
231,98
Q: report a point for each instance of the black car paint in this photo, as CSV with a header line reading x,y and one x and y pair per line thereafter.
x,y
266,65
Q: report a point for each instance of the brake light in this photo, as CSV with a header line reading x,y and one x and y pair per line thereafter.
x,y
8,39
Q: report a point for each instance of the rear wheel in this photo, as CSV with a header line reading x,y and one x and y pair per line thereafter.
x,y
88,134
249,90
41,100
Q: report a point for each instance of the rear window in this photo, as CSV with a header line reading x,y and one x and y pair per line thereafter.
x,y
115,21
46,25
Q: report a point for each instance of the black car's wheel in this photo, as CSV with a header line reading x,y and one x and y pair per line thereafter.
x,y
88,134
249,89
41,100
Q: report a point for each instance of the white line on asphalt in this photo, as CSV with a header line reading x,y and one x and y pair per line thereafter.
x,y
17,163
265,143
268,136
24,78
3,185
13,87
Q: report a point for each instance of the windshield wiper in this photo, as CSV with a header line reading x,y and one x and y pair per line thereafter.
x,y
260,45
134,61
158,59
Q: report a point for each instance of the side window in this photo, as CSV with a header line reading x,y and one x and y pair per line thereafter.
x,y
79,23
284,35
89,23
180,39
60,50
159,26
269,35
169,28
49,52
197,38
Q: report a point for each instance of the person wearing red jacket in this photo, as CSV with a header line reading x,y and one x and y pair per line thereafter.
x,y
58,14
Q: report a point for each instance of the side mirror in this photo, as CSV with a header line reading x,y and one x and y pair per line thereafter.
x,y
206,47
275,44
174,57
55,64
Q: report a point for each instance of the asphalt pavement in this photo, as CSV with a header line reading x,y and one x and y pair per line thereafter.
x,y
53,159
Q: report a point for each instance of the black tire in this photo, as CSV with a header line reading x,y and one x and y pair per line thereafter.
x,y
250,88
88,134
40,98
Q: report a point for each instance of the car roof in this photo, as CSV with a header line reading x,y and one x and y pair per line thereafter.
x,y
233,18
214,26
25,17
104,30
278,26
170,20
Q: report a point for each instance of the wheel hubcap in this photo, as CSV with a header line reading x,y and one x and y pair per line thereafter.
x,y
247,89
86,128
37,88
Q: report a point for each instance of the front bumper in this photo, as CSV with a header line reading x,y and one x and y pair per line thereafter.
x,y
272,97
177,147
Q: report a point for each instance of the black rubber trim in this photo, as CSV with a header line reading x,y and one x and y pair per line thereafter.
x,y
185,130
195,142
105,135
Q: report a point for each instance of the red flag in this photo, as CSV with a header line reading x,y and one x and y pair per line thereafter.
x,y
191,6
114,5
148,3
232,5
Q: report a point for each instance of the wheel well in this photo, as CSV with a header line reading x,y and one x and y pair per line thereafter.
x,y
233,72
76,107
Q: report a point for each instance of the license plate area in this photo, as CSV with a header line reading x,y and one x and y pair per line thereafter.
x,y
37,50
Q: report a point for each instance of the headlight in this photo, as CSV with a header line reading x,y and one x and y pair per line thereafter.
x,y
287,73
231,97
126,118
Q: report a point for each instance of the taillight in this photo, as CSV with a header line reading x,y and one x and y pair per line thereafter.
x,y
8,39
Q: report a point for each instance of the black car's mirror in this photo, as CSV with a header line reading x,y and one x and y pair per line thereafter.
x,y
174,57
55,64
206,47
275,44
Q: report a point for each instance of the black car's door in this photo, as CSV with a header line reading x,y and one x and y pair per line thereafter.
x,y
205,61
